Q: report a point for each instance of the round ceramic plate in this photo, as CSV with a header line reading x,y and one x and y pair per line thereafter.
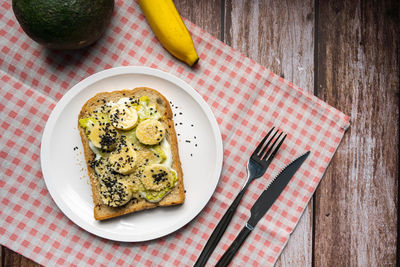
x,y
200,149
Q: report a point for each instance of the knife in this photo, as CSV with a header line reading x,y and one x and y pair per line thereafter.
x,y
262,205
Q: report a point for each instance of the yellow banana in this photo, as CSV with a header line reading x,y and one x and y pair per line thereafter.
x,y
123,160
123,117
150,132
156,177
169,28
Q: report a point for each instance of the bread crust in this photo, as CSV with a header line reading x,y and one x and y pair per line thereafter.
x,y
175,197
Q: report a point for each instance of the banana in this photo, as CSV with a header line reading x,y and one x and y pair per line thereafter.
x,y
156,177
169,28
123,159
150,132
123,117
103,135
115,193
115,190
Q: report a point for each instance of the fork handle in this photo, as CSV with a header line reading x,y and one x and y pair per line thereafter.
x,y
219,231
234,247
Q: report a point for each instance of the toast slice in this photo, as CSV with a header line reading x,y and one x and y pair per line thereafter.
x,y
176,195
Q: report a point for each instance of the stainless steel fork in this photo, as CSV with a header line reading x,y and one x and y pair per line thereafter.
x,y
256,167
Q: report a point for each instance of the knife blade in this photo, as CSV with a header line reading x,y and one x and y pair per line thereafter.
x,y
268,197
262,205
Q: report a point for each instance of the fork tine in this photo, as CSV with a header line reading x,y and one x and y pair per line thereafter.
x,y
267,145
262,155
276,149
258,148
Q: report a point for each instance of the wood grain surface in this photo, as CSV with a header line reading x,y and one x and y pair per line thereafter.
x,y
346,53
358,72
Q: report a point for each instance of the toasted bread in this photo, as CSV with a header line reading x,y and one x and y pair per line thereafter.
x,y
174,197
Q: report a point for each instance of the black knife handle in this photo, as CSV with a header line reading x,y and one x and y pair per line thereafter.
x,y
233,249
219,231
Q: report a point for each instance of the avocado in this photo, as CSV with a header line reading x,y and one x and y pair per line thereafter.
x,y
64,24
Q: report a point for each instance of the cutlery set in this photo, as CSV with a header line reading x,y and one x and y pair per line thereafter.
x,y
257,165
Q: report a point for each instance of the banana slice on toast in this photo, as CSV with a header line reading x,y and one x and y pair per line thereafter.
x,y
150,132
123,159
123,117
156,177
103,136
115,193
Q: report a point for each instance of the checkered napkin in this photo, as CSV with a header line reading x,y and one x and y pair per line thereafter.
x,y
246,99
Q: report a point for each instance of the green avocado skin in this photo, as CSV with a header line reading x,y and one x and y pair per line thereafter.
x,y
64,24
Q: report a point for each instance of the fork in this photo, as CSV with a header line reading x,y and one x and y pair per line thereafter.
x,y
256,167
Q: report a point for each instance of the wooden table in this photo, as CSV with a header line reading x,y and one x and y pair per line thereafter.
x,y
346,53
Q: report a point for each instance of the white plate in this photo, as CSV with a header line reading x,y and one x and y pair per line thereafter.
x,y
65,173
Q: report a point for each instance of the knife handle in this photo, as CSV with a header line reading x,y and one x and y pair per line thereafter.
x,y
219,231
233,249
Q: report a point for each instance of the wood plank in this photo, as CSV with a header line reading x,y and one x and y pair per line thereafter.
x,y
11,259
280,36
205,14
358,72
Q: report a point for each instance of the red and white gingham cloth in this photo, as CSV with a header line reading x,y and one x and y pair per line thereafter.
x,y
246,99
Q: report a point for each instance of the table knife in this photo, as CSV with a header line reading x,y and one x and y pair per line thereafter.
x,y
262,205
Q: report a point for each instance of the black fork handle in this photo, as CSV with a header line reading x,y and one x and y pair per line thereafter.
x,y
234,248
219,230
